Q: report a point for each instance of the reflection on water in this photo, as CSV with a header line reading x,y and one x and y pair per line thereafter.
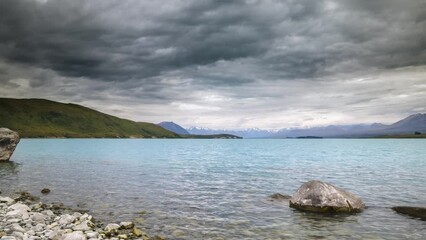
x,y
317,221
8,169
218,189
321,226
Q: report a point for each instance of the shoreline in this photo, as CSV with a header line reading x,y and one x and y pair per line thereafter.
x,y
24,217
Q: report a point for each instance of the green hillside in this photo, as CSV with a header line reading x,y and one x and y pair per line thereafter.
x,y
43,118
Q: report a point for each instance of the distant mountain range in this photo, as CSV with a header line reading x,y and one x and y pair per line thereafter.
x,y
45,118
173,127
405,127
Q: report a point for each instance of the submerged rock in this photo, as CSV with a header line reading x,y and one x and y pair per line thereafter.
x,y
137,232
8,141
279,197
317,196
417,212
45,191
26,196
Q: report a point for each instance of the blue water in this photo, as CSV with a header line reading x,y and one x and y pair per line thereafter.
x,y
218,189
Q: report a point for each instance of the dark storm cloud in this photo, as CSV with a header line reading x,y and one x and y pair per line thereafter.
x,y
265,55
73,38
132,40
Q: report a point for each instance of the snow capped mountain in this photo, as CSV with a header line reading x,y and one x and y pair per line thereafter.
x,y
245,133
408,125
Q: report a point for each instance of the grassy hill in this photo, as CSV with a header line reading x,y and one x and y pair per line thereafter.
x,y
43,118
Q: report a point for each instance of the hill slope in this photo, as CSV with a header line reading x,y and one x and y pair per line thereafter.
x,y
415,122
44,118
173,127
403,128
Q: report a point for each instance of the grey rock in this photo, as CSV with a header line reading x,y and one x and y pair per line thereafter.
x,y
112,227
18,214
13,220
48,213
77,215
317,196
84,217
84,226
20,206
38,228
8,238
126,225
6,200
92,234
38,217
417,212
19,211
54,235
122,236
66,219
8,141
78,235
53,225
17,228
18,235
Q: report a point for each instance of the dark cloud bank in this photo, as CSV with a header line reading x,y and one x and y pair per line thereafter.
x,y
228,64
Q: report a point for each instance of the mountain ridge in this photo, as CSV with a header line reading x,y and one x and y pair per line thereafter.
x,y
173,127
407,126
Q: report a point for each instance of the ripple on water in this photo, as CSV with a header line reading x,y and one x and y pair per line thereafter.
x,y
201,189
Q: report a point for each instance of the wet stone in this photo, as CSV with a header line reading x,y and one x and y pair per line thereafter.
x,y
416,212
45,191
37,221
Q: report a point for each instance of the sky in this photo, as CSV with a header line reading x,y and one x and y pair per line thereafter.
x,y
220,64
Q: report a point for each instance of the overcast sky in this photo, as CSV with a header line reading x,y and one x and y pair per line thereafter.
x,y
220,64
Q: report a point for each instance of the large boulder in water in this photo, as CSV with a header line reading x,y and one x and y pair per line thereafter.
x,y
8,141
317,196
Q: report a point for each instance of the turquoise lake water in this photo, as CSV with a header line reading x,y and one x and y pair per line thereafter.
x,y
218,189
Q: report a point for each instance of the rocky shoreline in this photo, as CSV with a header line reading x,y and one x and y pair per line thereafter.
x,y
24,218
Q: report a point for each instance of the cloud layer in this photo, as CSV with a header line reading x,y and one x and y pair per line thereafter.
x,y
223,64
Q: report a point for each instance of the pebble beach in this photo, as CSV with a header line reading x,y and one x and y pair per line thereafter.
x,y
22,217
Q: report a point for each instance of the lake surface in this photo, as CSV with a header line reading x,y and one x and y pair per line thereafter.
x,y
218,189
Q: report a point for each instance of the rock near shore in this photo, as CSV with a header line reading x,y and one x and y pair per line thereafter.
x,y
416,212
8,142
317,196
27,220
